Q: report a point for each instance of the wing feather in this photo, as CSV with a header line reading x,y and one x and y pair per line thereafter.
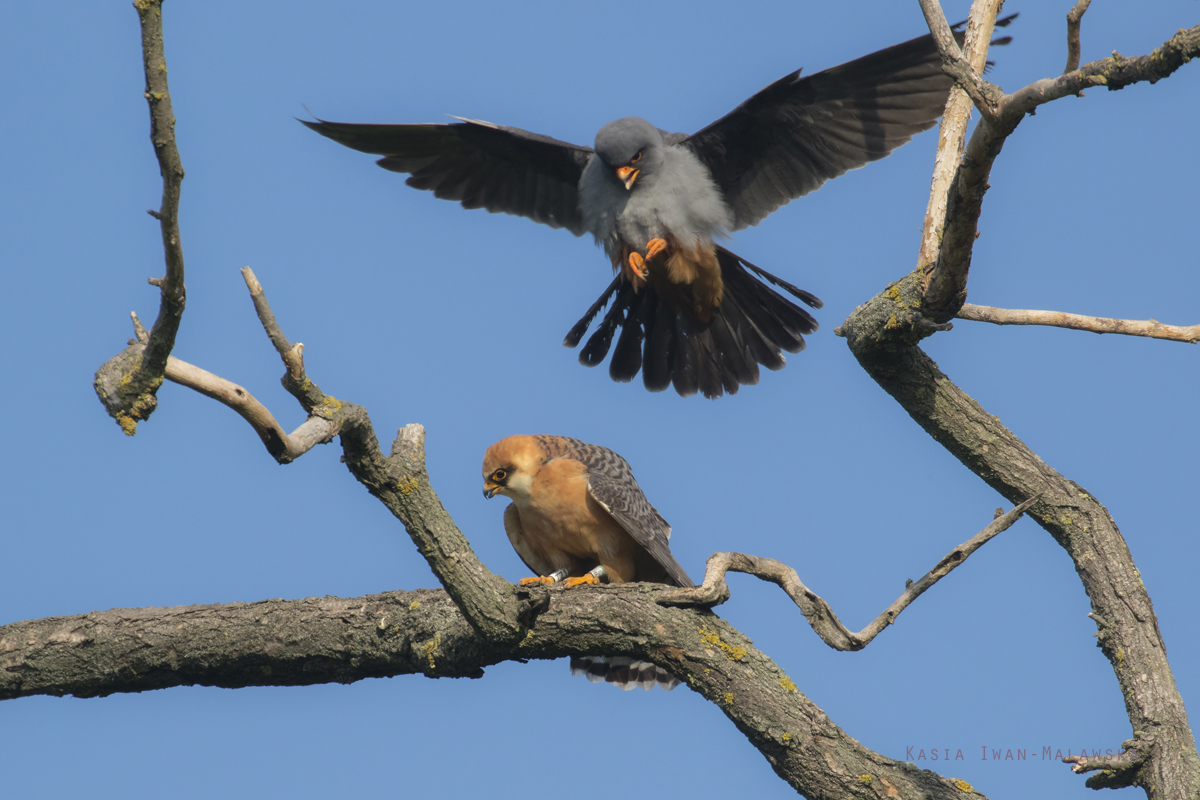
x,y
797,133
612,485
505,170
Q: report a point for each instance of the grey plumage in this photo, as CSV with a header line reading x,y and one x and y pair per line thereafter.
x,y
697,317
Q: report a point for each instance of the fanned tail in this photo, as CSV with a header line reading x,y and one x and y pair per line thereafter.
x,y
663,340
623,672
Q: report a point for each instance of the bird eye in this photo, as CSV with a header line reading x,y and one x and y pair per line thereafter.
x,y
499,475
636,158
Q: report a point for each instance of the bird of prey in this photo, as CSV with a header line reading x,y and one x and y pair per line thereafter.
x,y
578,515
691,313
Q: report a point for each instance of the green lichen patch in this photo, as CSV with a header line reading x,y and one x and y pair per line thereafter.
x,y
710,639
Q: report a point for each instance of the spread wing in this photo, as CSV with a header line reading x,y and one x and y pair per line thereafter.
x,y
797,133
479,164
612,485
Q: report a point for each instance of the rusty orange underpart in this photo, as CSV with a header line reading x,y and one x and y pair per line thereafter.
x,y
589,578
691,277
536,579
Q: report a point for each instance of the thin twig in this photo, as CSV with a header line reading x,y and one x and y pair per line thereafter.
x,y
292,355
282,446
162,135
815,609
1074,17
1060,319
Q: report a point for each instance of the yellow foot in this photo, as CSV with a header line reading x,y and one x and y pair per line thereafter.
x,y
589,578
637,265
536,579
654,247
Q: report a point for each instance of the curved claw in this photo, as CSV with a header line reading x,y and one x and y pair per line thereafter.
x,y
637,265
536,579
587,579
654,247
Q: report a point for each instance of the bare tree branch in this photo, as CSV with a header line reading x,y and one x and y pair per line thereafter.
x,y
128,383
283,447
1074,17
1128,631
329,639
953,129
945,284
815,609
1060,319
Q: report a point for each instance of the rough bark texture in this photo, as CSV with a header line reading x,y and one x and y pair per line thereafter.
x,y
128,383
883,334
480,619
330,639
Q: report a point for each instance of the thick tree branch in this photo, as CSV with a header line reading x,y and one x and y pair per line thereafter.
x,y
814,608
1059,319
329,639
128,383
1127,628
883,334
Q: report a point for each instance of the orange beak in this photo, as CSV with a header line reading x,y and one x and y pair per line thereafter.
x,y
627,175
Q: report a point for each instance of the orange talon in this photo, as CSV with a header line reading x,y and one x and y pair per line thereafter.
x,y
536,579
654,247
589,578
637,264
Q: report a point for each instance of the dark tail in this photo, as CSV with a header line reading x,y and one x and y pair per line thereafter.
x,y
623,672
670,346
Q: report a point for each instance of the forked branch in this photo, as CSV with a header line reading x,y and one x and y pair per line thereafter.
x,y
814,608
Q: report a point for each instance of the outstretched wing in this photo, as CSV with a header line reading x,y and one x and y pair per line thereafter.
x,y
797,133
482,165
612,485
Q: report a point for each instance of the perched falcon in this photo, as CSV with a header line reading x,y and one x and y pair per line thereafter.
x,y
577,515
691,313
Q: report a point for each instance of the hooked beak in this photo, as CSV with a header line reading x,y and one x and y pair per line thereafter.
x,y
490,489
627,175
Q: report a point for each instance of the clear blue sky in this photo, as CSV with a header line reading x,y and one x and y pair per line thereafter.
x,y
424,312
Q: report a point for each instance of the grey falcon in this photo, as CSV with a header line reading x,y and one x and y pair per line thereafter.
x,y
691,313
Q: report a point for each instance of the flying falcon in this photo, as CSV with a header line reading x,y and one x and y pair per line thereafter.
x,y
691,313
578,515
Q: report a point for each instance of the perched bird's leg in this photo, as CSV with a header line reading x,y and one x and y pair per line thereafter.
x,y
592,577
654,247
553,577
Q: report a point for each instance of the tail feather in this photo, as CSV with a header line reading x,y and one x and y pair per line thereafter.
x,y
685,365
624,672
661,336
627,358
660,347
576,333
597,346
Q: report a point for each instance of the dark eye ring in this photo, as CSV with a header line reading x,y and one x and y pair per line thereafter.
x,y
636,158
499,475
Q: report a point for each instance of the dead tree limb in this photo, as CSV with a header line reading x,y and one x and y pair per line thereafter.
x,y
128,383
1059,319
815,609
883,334
1074,18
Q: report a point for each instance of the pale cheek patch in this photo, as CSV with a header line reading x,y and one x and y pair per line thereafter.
x,y
520,484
